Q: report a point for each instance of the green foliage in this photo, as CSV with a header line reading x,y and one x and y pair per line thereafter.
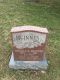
x,y
19,12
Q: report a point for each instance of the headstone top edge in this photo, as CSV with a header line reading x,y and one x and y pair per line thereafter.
x,y
29,28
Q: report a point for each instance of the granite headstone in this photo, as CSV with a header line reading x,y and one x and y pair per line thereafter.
x,y
28,47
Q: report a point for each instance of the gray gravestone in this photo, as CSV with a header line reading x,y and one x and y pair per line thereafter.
x,y
28,47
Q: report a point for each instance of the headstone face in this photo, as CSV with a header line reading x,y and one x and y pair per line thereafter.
x,y
28,43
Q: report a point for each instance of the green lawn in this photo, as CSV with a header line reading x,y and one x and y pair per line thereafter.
x,y
14,13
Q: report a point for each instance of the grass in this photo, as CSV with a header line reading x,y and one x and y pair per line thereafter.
x,y
14,13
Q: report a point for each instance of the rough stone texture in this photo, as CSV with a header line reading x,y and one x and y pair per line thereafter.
x,y
29,28
28,64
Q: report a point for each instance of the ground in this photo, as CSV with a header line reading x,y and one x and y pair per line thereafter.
x,y
18,13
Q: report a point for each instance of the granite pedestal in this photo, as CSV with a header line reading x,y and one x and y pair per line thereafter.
x,y
28,64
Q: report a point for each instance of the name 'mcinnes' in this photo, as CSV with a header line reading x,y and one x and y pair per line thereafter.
x,y
28,38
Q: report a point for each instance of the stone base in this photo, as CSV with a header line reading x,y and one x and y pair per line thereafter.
x,y
28,64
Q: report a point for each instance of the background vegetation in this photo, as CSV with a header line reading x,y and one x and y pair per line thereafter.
x,y
45,13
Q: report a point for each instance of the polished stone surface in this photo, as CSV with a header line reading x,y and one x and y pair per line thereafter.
x,y
28,64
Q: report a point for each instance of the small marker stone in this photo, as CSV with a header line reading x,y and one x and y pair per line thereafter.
x,y
43,72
